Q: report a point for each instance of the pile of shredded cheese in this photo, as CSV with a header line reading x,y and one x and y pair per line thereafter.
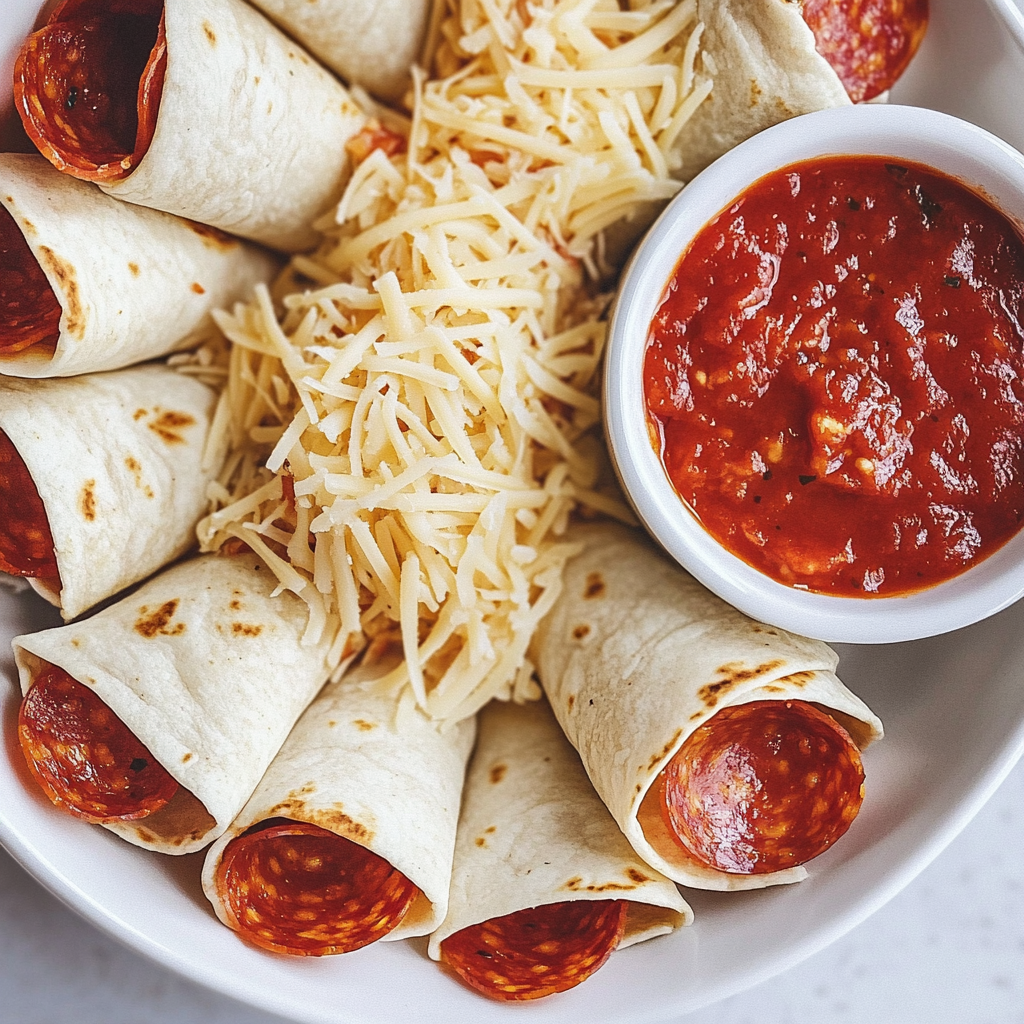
x,y
413,423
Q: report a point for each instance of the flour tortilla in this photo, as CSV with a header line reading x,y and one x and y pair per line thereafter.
x,y
208,670
760,55
251,132
133,284
636,655
533,832
372,43
378,773
118,460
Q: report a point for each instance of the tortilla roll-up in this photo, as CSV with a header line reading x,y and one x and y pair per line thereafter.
x,y
761,56
723,747
544,885
208,111
102,479
158,716
349,836
372,43
88,283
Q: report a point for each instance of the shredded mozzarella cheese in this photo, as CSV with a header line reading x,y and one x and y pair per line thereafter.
x,y
413,424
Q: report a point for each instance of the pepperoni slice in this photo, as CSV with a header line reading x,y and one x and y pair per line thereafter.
x,y
86,759
29,310
88,85
762,786
869,43
536,952
26,545
292,887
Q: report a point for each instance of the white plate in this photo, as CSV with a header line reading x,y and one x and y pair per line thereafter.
x,y
953,708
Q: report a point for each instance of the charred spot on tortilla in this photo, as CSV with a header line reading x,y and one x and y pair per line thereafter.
x,y
87,501
665,751
498,773
638,876
155,623
64,272
595,586
733,674
581,631
169,424
213,238
245,629
571,701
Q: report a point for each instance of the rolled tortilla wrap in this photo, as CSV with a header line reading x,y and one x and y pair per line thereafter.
x,y
130,284
534,834
372,43
207,670
224,120
117,462
762,58
636,657
379,781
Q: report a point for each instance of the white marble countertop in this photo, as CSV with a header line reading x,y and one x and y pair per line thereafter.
x,y
949,949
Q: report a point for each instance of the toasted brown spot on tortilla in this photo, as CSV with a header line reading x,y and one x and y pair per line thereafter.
x,y
138,414
574,886
665,750
76,642
27,227
87,501
245,629
755,93
186,759
797,679
209,33
638,876
595,586
235,605
64,272
153,623
145,835
581,631
480,841
775,689
168,426
213,238
733,674
198,288
331,724
363,726
134,268
490,829
498,772
571,701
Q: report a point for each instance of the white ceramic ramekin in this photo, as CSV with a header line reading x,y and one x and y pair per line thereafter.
x,y
957,148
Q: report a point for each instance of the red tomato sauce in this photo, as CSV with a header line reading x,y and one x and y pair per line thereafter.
x,y
833,378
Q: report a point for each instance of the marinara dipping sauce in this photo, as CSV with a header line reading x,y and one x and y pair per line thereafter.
x,y
833,378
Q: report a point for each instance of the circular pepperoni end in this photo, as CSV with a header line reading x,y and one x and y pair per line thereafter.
x,y
292,887
869,43
29,311
86,759
762,786
88,85
26,545
536,952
